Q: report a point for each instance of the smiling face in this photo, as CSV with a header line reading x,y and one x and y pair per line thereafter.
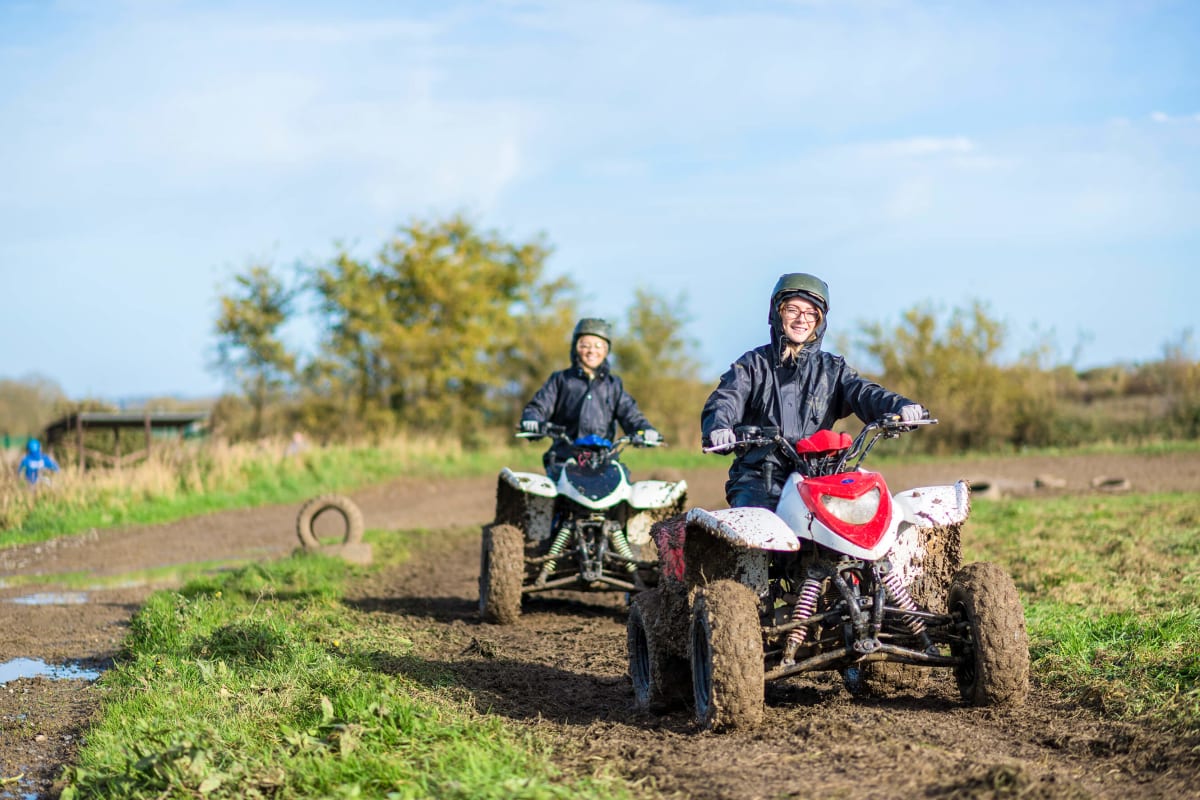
x,y
592,350
800,319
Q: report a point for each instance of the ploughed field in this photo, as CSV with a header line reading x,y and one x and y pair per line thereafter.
x,y
562,666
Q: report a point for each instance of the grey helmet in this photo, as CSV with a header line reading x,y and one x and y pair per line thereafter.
x,y
801,284
592,326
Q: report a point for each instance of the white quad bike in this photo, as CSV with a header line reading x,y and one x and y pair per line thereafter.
x,y
843,575
588,532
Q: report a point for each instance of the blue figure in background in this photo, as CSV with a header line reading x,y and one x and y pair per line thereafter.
x,y
35,461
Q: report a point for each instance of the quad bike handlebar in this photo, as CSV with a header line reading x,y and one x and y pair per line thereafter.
x,y
889,426
559,434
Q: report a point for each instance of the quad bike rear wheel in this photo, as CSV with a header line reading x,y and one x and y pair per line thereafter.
x,y
501,569
726,651
661,678
995,666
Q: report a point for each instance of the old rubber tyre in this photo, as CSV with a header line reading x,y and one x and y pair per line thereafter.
x,y
502,566
995,671
726,652
661,679
341,504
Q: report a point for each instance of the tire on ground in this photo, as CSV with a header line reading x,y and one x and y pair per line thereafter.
x,y
996,669
661,678
726,654
502,566
347,508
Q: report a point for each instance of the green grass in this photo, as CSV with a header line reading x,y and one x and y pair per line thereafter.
x,y
263,683
198,488
1111,587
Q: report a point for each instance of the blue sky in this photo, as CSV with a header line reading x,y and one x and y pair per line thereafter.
x,y
1043,158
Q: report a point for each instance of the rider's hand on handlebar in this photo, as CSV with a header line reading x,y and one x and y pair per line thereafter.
x,y
722,438
651,437
531,426
913,412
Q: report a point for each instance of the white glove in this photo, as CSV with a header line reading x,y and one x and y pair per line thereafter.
x,y
651,436
912,412
531,426
722,437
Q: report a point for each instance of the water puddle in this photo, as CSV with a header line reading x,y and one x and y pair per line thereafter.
x,y
51,599
35,667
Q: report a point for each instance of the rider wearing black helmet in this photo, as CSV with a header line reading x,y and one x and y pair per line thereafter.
x,y
793,385
586,398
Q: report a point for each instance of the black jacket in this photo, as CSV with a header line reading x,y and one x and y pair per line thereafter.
x,y
584,407
799,397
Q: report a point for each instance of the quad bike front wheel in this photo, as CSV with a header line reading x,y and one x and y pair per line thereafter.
x,y
726,651
661,678
502,566
995,656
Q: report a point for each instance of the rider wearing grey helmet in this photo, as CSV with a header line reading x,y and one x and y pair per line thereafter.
x,y
793,385
586,398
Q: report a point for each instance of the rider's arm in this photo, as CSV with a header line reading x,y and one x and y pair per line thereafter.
x,y
726,406
627,412
866,399
541,407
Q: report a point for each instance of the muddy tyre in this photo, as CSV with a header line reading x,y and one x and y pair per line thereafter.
x,y
340,504
726,652
661,678
501,568
995,670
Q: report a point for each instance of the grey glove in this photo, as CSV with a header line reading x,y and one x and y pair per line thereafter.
x,y
651,437
531,426
723,438
912,412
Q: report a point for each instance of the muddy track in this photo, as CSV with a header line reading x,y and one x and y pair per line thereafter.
x,y
562,666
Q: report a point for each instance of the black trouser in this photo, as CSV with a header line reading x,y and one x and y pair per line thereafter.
x,y
751,491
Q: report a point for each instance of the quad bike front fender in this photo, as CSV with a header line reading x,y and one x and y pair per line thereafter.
x,y
656,494
935,506
529,483
749,528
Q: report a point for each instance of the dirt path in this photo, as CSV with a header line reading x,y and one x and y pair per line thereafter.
x,y
563,665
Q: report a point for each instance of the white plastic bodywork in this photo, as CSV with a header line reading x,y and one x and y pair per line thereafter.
x,y
529,483
795,513
932,506
656,494
754,528
618,495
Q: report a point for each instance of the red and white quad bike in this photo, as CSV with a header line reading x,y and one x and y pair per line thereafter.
x,y
843,575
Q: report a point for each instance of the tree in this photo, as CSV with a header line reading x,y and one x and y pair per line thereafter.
x,y
438,330
249,348
656,361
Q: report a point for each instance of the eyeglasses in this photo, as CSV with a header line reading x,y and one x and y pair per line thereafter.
x,y
793,312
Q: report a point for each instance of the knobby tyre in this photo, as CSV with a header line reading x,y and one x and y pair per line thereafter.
x,y
726,653
995,670
661,678
502,566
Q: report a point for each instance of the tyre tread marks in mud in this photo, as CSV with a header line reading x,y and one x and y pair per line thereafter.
x,y
309,512
999,672
501,569
661,678
727,657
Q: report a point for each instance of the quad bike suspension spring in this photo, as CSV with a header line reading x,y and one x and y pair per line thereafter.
x,y
898,594
806,605
620,543
556,547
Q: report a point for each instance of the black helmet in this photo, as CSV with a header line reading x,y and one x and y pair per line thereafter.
x,y
801,284
592,326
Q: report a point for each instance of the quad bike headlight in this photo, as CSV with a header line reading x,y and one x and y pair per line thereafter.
x,y
856,511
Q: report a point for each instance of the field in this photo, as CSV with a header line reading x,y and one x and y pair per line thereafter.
x,y
1114,710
